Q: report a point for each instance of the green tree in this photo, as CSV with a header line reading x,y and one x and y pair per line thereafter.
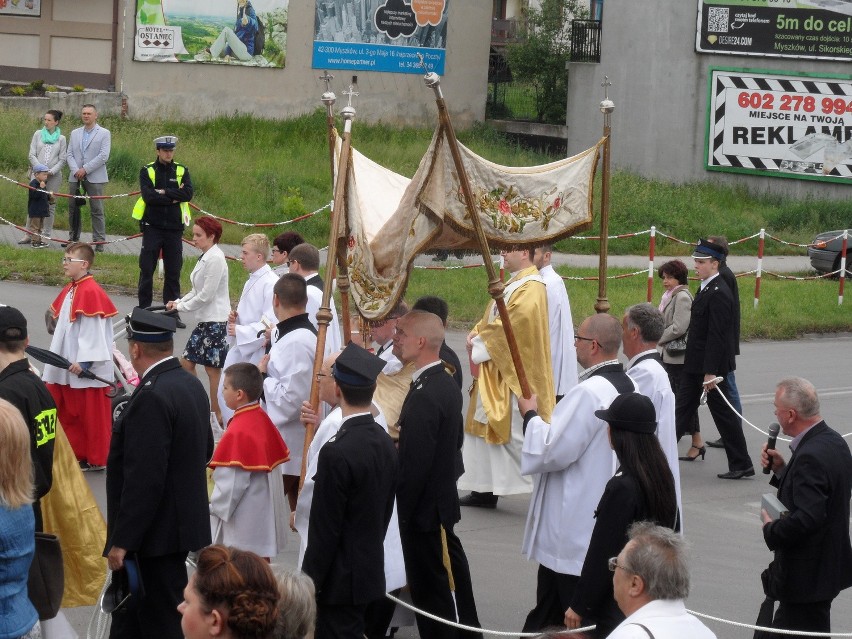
x,y
540,59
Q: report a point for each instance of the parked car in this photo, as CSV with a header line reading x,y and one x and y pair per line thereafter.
x,y
825,252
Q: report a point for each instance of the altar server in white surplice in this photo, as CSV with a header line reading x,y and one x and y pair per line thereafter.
x,y
643,325
289,368
571,461
247,325
247,489
563,355
304,261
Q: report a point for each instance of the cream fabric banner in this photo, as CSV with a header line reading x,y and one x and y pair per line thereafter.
x,y
392,219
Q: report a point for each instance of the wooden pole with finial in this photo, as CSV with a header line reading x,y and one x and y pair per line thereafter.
x,y
495,284
328,99
338,223
607,107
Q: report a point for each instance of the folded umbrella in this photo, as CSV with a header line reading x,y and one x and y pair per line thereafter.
x,y
49,357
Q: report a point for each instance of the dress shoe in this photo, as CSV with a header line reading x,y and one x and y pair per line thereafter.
x,y
717,443
736,474
701,452
479,500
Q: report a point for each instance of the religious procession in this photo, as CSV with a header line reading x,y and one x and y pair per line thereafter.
x,y
349,426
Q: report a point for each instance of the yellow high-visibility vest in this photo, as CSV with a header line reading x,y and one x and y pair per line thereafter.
x,y
139,207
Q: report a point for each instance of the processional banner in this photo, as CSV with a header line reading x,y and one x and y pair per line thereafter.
x,y
392,219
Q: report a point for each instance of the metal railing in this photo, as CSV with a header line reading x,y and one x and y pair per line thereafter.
x,y
585,41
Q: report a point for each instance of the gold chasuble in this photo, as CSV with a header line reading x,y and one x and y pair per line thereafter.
x,y
526,302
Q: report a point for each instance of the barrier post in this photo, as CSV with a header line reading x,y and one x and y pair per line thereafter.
x,y
759,267
842,274
652,247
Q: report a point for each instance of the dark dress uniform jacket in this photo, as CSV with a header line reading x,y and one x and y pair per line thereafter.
x,y
813,557
430,438
711,347
352,505
156,481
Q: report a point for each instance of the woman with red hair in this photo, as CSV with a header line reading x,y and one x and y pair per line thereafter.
x,y
211,303
232,595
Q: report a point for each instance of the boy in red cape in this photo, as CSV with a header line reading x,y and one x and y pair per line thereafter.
x,y
247,494
83,335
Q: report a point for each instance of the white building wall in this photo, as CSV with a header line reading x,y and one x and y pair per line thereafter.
x,y
659,86
203,90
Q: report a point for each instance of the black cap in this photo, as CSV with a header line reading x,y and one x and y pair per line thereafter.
x,y
630,411
125,588
13,324
147,326
356,366
706,249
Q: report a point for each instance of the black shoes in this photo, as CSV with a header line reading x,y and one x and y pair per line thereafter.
x,y
479,500
701,452
715,444
736,474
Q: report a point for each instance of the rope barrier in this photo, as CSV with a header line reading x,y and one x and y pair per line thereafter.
x,y
779,631
499,633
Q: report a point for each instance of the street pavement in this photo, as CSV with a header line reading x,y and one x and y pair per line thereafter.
x,y
721,519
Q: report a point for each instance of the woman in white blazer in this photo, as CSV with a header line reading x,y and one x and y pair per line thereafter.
x,y
210,301
676,307
50,148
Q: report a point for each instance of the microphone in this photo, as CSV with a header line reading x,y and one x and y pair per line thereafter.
x,y
774,428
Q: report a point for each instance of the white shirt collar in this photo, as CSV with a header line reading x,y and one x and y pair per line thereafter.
x,y
586,373
638,355
148,370
419,371
707,281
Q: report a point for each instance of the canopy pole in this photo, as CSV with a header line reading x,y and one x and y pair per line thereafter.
x,y
328,99
607,107
495,285
338,212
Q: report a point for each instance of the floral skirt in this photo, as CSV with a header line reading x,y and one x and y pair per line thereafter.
x,y
207,345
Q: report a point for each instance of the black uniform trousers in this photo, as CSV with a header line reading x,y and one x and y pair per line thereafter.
x,y
811,617
729,425
339,622
156,615
429,583
153,240
554,593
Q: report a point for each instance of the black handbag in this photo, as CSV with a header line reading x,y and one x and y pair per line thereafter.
x,y
47,576
79,200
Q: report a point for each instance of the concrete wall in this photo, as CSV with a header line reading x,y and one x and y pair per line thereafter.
x,y
659,86
196,91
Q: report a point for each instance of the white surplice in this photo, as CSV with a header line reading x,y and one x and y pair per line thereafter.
x,y
563,354
290,372
243,510
255,305
572,461
334,336
86,339
394,564
653,382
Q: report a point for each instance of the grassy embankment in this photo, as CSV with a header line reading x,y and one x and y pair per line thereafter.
x,y
263,171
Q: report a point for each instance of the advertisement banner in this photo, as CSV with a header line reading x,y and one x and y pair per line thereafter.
x,y
814,29
796,125
250,33
30,8
381,35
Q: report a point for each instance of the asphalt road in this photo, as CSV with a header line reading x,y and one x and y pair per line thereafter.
x,y
721,517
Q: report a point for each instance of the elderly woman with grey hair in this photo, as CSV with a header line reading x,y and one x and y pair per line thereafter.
x,y
297,608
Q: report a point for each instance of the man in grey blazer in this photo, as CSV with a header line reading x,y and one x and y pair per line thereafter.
x,y
88,153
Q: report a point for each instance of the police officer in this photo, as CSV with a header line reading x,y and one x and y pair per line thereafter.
x,y
163,211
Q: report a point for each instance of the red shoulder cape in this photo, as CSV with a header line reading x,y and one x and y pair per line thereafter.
x,y
251,442
89,300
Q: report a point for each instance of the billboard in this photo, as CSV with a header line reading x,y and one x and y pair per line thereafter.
x,y
813,29
250,33
381,35
794,125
